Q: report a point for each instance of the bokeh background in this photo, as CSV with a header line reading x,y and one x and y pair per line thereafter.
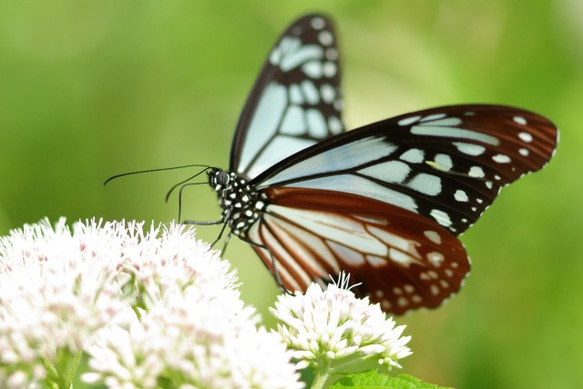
x,y
94,88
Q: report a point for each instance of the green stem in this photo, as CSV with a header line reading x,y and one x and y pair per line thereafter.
x,y
73,369
61,374
52,374
321,376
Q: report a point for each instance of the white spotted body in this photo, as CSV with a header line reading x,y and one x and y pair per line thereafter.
x,y
241,204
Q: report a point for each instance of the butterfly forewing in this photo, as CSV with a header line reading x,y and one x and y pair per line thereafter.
x,y
295,101
447,164
403,260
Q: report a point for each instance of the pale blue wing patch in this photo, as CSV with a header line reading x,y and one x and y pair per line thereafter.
x,y
295,102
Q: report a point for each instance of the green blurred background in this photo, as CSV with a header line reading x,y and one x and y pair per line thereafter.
x,y
89,89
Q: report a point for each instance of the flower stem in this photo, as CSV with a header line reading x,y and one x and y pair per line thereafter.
x,y
73,368
61,374
321,376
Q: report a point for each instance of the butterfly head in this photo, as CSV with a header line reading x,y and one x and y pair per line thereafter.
x,y
220,180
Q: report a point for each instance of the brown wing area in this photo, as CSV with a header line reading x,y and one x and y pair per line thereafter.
x,y
403,260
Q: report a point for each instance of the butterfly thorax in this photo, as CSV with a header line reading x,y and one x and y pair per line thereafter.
x,y
241,203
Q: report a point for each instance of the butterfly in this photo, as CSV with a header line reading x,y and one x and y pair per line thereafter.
x,y
384,202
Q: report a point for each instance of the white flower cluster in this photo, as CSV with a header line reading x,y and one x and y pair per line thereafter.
x,y
335,327
150,309
56,289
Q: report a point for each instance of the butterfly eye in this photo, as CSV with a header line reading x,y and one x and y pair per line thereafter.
x,y
222,178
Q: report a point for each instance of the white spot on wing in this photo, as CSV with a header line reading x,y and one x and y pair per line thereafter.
x,y
501,158
313,69
331,54
409,120
316,123
519,120
525,136
275,56
391,171
375,261
426,183
524,152
293,121
412,155
310,92
444,161
441,217
318,23
435,116
460,195
476,171
328,93
295,94
401,258
433,236
299,54
335,124
347,254
330,69
449,122
469,148
394,240
435,258
326,38
454,133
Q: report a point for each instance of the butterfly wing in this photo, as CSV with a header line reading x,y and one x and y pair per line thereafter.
x,y
446,164
385,202
296,100
403,260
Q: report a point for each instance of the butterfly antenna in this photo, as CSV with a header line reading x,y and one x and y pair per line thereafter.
x,y
180,198
154,170
183,182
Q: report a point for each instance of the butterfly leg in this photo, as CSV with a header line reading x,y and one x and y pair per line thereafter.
x,y
203,223
225,223
225,245
273,263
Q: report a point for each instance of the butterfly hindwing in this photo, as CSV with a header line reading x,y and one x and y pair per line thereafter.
x,y
447,164
296,100
403,260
